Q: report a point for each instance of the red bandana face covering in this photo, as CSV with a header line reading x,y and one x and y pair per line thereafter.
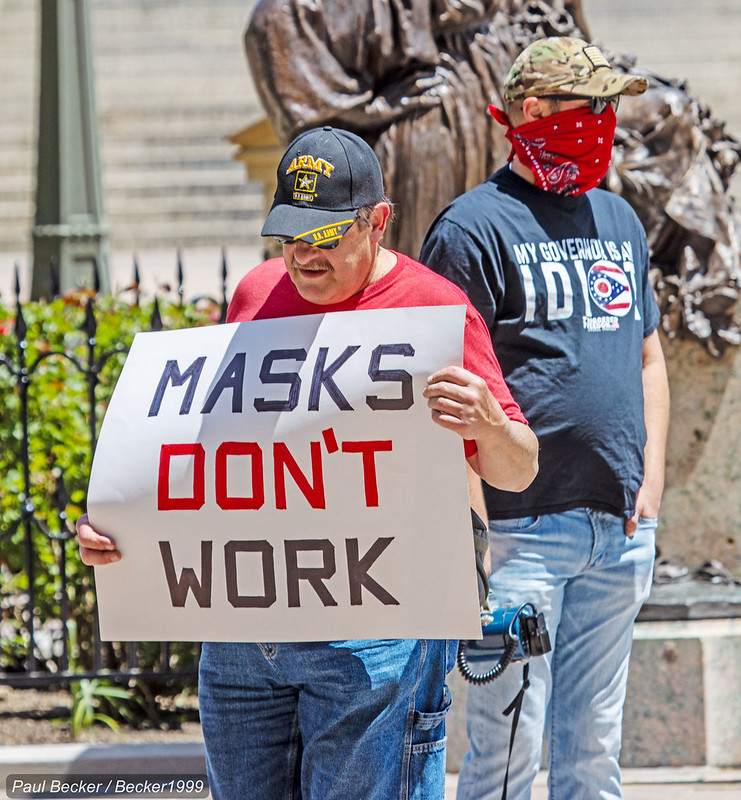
x,y
568,152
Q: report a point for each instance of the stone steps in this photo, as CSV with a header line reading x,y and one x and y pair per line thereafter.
x,y
172,84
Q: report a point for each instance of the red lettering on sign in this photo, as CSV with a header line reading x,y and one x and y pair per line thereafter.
x,y
253,450
283,459
165,502
311,487
368,450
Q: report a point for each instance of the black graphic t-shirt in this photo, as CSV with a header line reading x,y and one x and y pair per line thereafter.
x,y
562,283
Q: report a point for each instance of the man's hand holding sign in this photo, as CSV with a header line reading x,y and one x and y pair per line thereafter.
x,y
282,482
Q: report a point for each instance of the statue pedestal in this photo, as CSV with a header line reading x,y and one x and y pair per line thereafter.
x,y
682,707
701,510
261,152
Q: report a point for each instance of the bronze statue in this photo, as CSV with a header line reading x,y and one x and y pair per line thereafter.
x,y
414,78
673,162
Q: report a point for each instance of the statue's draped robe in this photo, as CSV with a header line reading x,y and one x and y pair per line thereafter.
x,y
413,77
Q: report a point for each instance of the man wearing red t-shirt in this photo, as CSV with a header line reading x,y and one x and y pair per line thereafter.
x,y
356,719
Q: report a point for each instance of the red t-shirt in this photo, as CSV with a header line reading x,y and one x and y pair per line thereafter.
x,y
267,292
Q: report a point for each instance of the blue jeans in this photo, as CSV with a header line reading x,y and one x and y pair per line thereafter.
x,y
346,720
590,581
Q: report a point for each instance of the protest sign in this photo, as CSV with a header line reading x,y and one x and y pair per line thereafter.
x,y
282,480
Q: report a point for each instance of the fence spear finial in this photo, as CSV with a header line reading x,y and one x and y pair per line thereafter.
x,y
181,290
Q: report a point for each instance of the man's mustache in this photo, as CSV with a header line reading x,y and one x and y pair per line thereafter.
x,y
317,264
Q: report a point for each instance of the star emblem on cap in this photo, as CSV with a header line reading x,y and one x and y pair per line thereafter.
x,y
305,181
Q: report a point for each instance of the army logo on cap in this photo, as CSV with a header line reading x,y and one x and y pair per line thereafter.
x,y
304,187
307,168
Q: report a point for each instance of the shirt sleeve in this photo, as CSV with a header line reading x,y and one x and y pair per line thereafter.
x,y
651,313
453,252
479,358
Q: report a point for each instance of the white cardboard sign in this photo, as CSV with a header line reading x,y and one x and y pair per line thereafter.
x,y
282,480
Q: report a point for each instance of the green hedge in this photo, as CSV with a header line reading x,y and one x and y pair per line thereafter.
x,y
59,444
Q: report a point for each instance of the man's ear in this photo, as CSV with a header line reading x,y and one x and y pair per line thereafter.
x,y
535,108
379,216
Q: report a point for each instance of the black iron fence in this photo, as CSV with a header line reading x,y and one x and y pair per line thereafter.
x,y
48,615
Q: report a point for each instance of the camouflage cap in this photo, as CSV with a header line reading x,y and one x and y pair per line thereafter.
x,y
565,65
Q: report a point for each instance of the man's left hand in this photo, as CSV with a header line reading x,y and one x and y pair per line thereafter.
x,y
647,507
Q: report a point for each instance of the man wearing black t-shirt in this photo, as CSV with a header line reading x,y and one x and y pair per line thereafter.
x,y
559,271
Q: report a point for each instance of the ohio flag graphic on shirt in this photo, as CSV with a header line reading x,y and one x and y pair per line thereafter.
x,y
610,289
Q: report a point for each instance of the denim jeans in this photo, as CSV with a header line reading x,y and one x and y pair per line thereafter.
x,y
590,581
345,720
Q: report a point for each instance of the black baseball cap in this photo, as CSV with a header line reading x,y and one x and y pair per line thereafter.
x,y
324,177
